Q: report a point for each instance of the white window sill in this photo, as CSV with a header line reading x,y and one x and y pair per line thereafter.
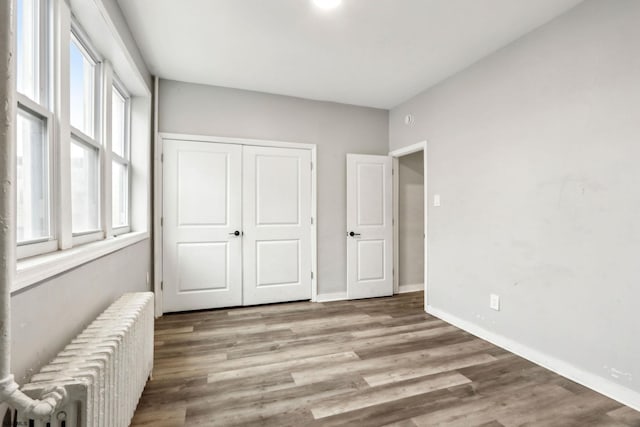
x,y
39,268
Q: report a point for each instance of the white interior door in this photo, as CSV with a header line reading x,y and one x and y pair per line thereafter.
x,y
369,226
277,225
202,255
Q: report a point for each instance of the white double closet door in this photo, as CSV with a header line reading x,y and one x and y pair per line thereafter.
x,y
236,225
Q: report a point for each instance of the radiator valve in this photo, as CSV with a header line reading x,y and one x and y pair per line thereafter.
x,y
42,409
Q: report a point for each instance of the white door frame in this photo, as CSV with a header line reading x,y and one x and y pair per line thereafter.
x,y
158,198
396,154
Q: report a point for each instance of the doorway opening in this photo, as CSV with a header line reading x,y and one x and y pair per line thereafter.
x,y
410,222
410,214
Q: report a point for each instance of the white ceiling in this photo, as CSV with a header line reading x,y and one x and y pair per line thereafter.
x,y
374,53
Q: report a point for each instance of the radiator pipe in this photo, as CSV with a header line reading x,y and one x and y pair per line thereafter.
x,y
9,390
7,173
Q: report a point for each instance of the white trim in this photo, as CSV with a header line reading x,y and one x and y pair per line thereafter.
x,y
116,158
62,114
158,195
29,249
396,224
37,269
84,237
412,287
33,107
602,385
426,222
84,138
314,224
239,141
410,149
336,296
140,165
118,231
106,183
157,205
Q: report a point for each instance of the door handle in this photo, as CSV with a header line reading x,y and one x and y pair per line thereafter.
x,y
236,233
353,234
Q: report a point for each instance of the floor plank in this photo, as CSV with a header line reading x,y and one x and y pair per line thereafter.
x,y
376,362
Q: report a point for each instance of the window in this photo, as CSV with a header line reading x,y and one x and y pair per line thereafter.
x,y
75,168
85,150
32,178
119,122
119,159
35,225
82,74
85,184
73,125
32,38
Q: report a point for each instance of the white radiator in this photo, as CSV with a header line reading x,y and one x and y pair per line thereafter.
x,y
104,369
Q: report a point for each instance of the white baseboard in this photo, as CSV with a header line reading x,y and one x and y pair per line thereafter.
x,y
602,385
337,296
412,287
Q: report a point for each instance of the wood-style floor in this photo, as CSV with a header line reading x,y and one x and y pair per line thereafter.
x,y
360,363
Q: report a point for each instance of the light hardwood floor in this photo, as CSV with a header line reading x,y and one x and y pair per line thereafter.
x,y
371,362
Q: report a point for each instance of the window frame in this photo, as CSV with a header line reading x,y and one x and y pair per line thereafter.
x,y
125,161
81,237
79,37
29,248
43,108
81,40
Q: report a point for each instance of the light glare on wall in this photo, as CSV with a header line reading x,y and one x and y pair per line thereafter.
x,y
327,4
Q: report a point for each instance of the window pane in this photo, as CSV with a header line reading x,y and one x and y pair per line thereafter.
x,y
120,192
28,54
82,84
118,124
84,188
32,178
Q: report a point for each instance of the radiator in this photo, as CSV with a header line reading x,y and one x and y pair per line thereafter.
x,y
104,369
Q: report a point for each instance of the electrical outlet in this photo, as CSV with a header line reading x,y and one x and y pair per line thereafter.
x,y
494,302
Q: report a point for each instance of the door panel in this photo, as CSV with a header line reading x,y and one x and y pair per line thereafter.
x,y
277,225
369,218
202,266
278,262
208,173
371,255
277,188
370,194
202,258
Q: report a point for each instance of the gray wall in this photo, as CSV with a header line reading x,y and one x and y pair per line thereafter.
x,y
336,129
46,316
411,219
535,151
